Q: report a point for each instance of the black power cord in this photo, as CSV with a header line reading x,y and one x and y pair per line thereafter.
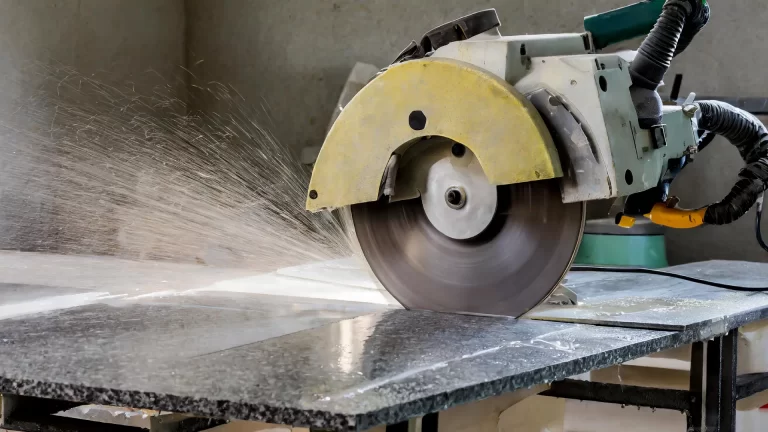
x,y
758,235
586,268
758,219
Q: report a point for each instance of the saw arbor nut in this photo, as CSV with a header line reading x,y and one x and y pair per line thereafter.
x,y
455,197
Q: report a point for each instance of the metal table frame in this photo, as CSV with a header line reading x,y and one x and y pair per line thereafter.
x,y
33,414
709,405
710,402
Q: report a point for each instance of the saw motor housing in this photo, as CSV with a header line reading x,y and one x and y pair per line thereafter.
x,y
530,108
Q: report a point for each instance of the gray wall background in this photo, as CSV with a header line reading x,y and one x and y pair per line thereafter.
x,y
293,56
121,39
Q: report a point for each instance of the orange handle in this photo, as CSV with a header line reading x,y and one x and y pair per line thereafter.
x,y
675,217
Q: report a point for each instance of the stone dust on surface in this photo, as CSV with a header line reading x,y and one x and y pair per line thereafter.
x,y
97,168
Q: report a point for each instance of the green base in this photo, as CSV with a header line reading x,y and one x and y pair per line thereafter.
x,y
619,250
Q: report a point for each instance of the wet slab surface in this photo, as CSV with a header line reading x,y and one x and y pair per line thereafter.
x,y
663,303
246,362
326,363
200,321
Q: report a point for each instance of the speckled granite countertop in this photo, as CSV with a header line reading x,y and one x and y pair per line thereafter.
x,y
275,360
322,363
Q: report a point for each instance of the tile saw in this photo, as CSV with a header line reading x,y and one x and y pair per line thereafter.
x,y
466,164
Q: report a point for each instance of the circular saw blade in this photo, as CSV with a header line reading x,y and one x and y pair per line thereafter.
x,y
508,269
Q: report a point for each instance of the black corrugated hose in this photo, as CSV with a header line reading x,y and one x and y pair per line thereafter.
x,y
698,18
679,22
750,137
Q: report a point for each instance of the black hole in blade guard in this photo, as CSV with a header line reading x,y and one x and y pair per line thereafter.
x,y
417,120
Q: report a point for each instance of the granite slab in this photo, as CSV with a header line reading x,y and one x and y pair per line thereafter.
x,y
213,320
663,303
254,359
208,341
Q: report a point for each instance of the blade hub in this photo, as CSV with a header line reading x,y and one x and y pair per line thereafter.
x,y
457,198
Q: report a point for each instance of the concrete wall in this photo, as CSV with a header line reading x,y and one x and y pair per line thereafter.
x,y
294,55
123,38
117,39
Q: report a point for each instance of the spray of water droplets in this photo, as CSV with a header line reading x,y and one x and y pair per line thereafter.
x,y
99,168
